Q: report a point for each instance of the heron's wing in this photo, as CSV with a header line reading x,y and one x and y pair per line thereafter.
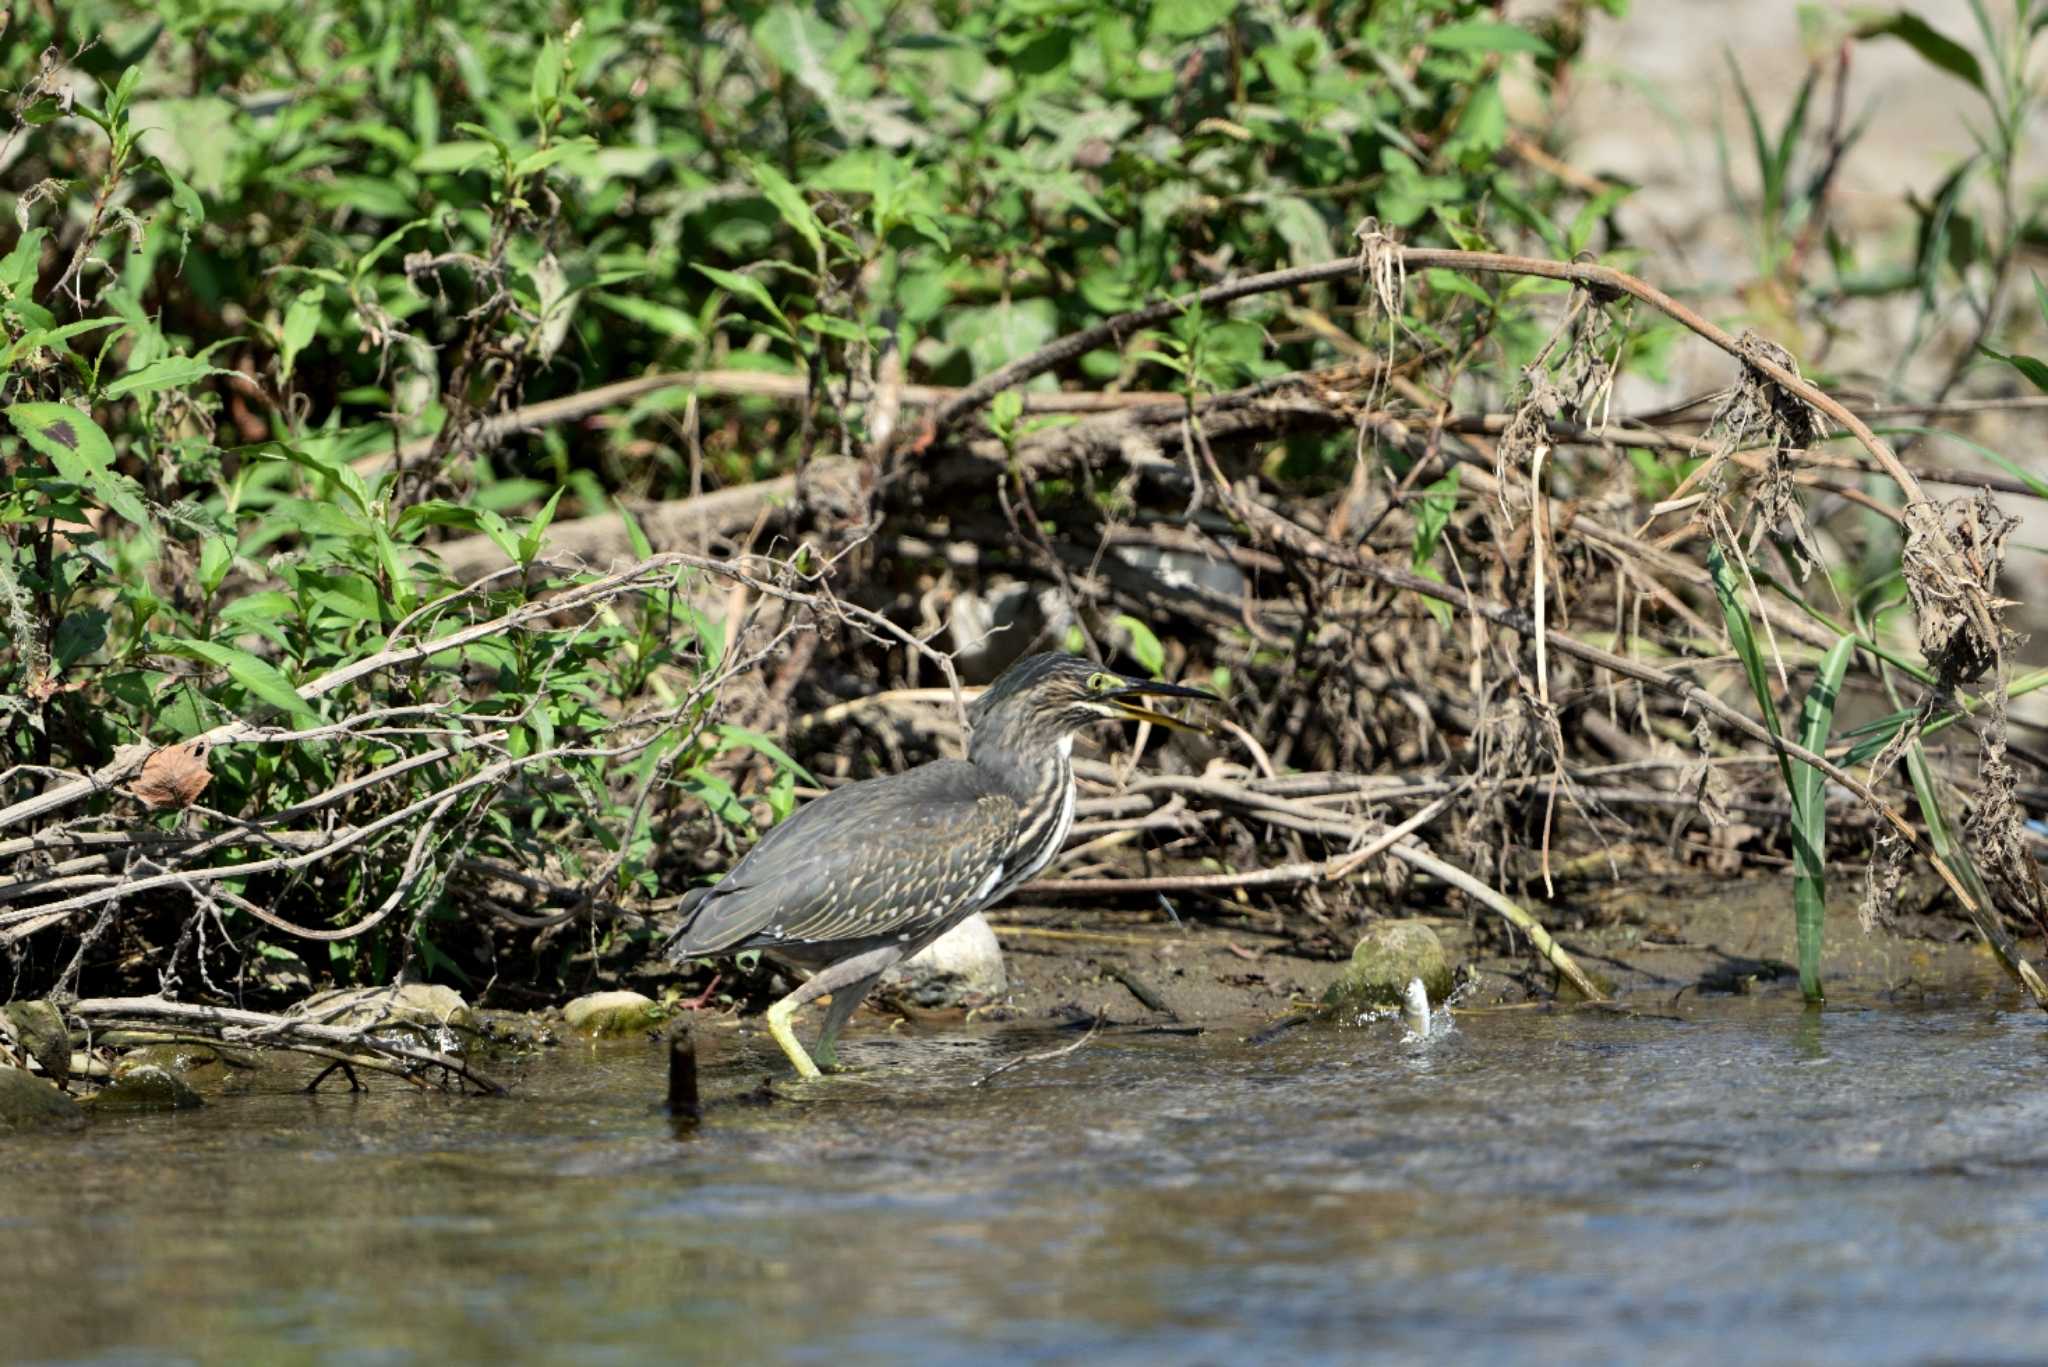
x,y
869,860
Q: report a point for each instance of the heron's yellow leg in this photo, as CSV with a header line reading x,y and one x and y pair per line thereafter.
x,y
778,1026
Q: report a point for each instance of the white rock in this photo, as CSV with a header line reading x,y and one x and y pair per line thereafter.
x,y
966,962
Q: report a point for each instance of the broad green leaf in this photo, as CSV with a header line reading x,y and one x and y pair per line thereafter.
x,y
301,323
1938,48
216,555
547,156
53,338
500,532
1189,18
666,319
19,267
2036,371
79,635
802,46
260,678
996,334
172,372
1485,35
81,453
460,155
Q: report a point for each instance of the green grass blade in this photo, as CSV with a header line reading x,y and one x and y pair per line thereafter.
x,y
1810,816
1760,148
1742,636
1939,834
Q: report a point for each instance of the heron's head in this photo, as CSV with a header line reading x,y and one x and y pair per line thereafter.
x,y
1043,699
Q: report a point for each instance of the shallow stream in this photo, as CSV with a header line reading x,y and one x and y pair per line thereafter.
x,y
1732,1181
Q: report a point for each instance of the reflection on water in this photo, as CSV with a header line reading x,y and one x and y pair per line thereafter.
x,y
1742,1181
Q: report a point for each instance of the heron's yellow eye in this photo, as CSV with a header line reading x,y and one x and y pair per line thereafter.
x,y
1103,683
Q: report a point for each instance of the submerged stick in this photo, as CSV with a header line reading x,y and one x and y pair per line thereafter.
x,y
683,1102
1553,953
1045,1057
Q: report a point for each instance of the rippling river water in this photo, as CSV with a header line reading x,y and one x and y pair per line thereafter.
x,y
1735,1182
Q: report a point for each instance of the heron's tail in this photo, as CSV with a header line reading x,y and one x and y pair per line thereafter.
x,y
678,947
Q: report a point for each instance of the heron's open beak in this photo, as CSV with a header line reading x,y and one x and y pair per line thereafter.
x,y
1151,688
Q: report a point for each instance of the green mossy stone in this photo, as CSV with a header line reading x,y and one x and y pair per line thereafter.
x,y
1387,957
40,1030
146,1088
29,1103
613,1015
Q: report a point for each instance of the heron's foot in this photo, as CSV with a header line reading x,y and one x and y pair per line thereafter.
x,y
778,1026
699,1002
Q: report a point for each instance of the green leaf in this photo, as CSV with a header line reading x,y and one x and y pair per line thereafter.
x,y
301,323
1485,35
172,372
1189,18
459,155
1939,49
715,793
258,677
530,540
1450,282
216,555
1728,589
500,532
81,453
1004,411
548,156
839,327
790,203
804,47
746,287
2035,371
317,458
1432,514
184,198
635,536
666,319
19,267
79,635
730,736
1145,647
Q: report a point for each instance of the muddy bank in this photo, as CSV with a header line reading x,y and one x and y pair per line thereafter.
x,y
1656,944
1652,944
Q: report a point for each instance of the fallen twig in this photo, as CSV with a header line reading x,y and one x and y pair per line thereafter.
x,y
1045,1057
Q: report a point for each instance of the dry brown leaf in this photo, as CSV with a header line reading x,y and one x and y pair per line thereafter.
x,y
173,777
